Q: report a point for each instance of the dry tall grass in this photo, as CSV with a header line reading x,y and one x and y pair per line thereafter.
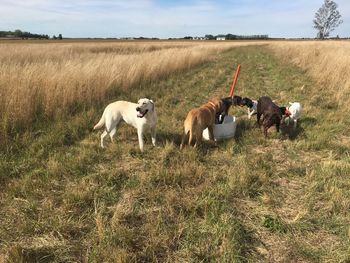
x,y
327,62
49,78
46,79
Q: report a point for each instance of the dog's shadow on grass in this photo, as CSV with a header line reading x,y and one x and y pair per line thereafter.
x,y
166,136
309,121
288,130
242,127
204,147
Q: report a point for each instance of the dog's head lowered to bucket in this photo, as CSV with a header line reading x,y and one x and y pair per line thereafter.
x,y
223,131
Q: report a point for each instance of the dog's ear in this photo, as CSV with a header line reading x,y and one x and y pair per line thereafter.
x,y
227,102
236,100
248,102
151,101
290,103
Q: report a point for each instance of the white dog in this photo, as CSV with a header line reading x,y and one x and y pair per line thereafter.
x,y
141,115
295,112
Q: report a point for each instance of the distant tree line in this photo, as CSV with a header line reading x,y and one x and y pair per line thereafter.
x,y
21,34
25,35
237,37
146,38
59,37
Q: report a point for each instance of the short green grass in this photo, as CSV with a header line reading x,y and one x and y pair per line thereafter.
x,y
284,199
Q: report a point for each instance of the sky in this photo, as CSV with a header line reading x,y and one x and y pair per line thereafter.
x,y
165,18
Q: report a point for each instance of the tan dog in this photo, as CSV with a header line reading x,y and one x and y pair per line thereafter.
x,y
141,115
199,119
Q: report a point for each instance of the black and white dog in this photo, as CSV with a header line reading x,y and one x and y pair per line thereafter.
x,y
251,105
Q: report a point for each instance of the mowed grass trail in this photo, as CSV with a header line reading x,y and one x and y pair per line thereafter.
x,y
248,199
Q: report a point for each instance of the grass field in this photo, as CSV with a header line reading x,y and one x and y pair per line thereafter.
x,y
327,62
284,199
51,79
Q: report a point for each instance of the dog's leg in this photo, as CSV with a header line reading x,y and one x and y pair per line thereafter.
x,y
265,131
198,142
258,116
111,127
153,135
277,127
199,136
288,120
112,133
283,119
103,135
190,138
195,137
211,133
250,113
263,121
295,124
266,125
183,141
140,136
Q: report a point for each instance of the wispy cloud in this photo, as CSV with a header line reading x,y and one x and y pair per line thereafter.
x,y
164,18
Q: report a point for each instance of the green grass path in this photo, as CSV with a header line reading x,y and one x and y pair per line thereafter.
x,y
284,199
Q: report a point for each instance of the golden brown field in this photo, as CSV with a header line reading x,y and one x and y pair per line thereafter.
x,y
49,78
327,62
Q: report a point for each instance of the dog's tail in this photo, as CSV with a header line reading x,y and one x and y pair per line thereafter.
x,y
192,131
101,122
187,135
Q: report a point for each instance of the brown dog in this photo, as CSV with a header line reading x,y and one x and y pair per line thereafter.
x,y
199,119
271,112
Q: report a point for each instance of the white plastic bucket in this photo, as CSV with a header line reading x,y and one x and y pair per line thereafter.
x,y
223,131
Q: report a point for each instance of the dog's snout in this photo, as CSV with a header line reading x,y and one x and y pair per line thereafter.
x,y
138,109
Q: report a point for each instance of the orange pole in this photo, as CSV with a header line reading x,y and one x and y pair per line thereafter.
x,y
235,79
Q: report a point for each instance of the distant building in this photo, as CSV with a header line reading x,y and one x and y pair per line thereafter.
x,y
220,38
